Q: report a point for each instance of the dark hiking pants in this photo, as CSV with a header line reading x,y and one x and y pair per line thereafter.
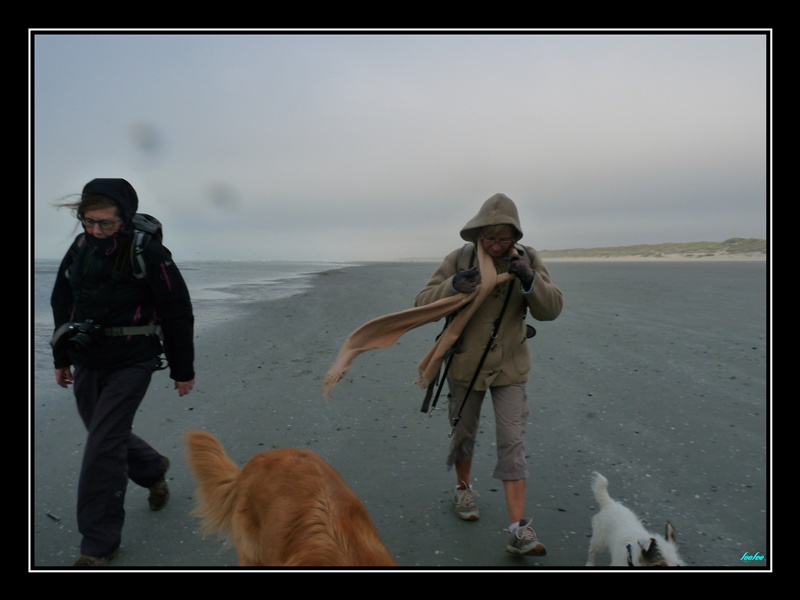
x,y
107,403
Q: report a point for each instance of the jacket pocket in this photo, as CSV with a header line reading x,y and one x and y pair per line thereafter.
x,y
521,358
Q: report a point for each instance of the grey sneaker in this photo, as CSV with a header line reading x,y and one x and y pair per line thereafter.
x,y
524,541
464,502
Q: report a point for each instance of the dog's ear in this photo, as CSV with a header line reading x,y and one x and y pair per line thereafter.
x,y
671,534
651,553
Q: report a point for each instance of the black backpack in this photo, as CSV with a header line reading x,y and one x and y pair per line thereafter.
x,y
147,227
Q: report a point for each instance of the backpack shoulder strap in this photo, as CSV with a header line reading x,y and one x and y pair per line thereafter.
x,y
466,257
146,227
524,250
140,241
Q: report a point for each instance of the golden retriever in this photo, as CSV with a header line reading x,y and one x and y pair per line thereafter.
x,y
284,508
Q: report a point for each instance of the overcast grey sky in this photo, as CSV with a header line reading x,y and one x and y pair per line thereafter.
x,y
347,147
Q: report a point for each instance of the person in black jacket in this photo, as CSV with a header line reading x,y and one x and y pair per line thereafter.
x,y
111,330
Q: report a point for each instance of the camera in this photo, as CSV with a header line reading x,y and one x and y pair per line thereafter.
x,y
83,335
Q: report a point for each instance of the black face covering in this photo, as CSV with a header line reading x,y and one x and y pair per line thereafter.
x,y
105,245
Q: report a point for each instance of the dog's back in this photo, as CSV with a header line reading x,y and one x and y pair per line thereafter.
x,y
617,530
286,507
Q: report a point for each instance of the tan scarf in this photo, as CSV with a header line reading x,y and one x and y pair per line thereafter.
x,y
384,331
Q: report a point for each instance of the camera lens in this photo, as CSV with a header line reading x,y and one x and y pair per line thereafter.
x,y
84,334
80,341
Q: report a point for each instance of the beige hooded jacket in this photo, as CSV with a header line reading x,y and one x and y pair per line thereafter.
x,y
509,359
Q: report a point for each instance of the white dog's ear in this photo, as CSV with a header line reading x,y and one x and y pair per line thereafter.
x,y
646,543
671,534
650,550
652,556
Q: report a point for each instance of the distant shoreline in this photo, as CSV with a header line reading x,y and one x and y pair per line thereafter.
x,y
731,249
551,258
661,258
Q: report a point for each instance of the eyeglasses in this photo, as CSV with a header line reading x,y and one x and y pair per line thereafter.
x,y
105,225
492,241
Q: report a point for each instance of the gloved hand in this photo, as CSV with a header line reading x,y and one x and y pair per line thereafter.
x,y
521,268
466,281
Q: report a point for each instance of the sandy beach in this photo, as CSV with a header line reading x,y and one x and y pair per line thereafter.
x,y
655,375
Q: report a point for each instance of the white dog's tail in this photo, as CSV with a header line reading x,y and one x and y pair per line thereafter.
x,y
600,489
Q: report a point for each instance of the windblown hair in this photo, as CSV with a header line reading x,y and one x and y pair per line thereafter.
x,y
78,204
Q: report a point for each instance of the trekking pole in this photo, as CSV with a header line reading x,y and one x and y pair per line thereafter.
x,y
429,393
483,358
439,387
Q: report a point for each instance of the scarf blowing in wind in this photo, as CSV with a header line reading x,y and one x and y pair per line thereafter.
x,y
384,331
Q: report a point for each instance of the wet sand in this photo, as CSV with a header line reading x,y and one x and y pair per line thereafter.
x,y
656,376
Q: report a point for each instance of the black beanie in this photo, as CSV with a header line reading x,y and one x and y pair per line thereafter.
x,y
118,190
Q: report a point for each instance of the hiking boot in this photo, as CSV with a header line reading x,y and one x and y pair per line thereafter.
x,y
159,492
95,561
464,502
524,541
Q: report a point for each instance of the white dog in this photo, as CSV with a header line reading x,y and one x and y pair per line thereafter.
x,y
616,530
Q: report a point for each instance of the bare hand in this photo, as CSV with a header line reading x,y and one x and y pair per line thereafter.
x,y
184,387
63,376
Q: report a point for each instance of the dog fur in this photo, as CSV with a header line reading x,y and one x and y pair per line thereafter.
x,y
284,508
616,530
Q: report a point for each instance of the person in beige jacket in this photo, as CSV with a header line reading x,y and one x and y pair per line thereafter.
x,y
494,231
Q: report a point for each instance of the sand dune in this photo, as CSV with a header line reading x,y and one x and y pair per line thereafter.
x,y
730,249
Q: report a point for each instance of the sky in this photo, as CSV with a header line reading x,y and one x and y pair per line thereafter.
x,y
344,146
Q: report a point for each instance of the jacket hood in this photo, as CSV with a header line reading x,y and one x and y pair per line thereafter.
x,y
497,210
118,190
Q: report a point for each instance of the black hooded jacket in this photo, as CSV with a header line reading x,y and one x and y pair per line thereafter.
x,y
95,281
